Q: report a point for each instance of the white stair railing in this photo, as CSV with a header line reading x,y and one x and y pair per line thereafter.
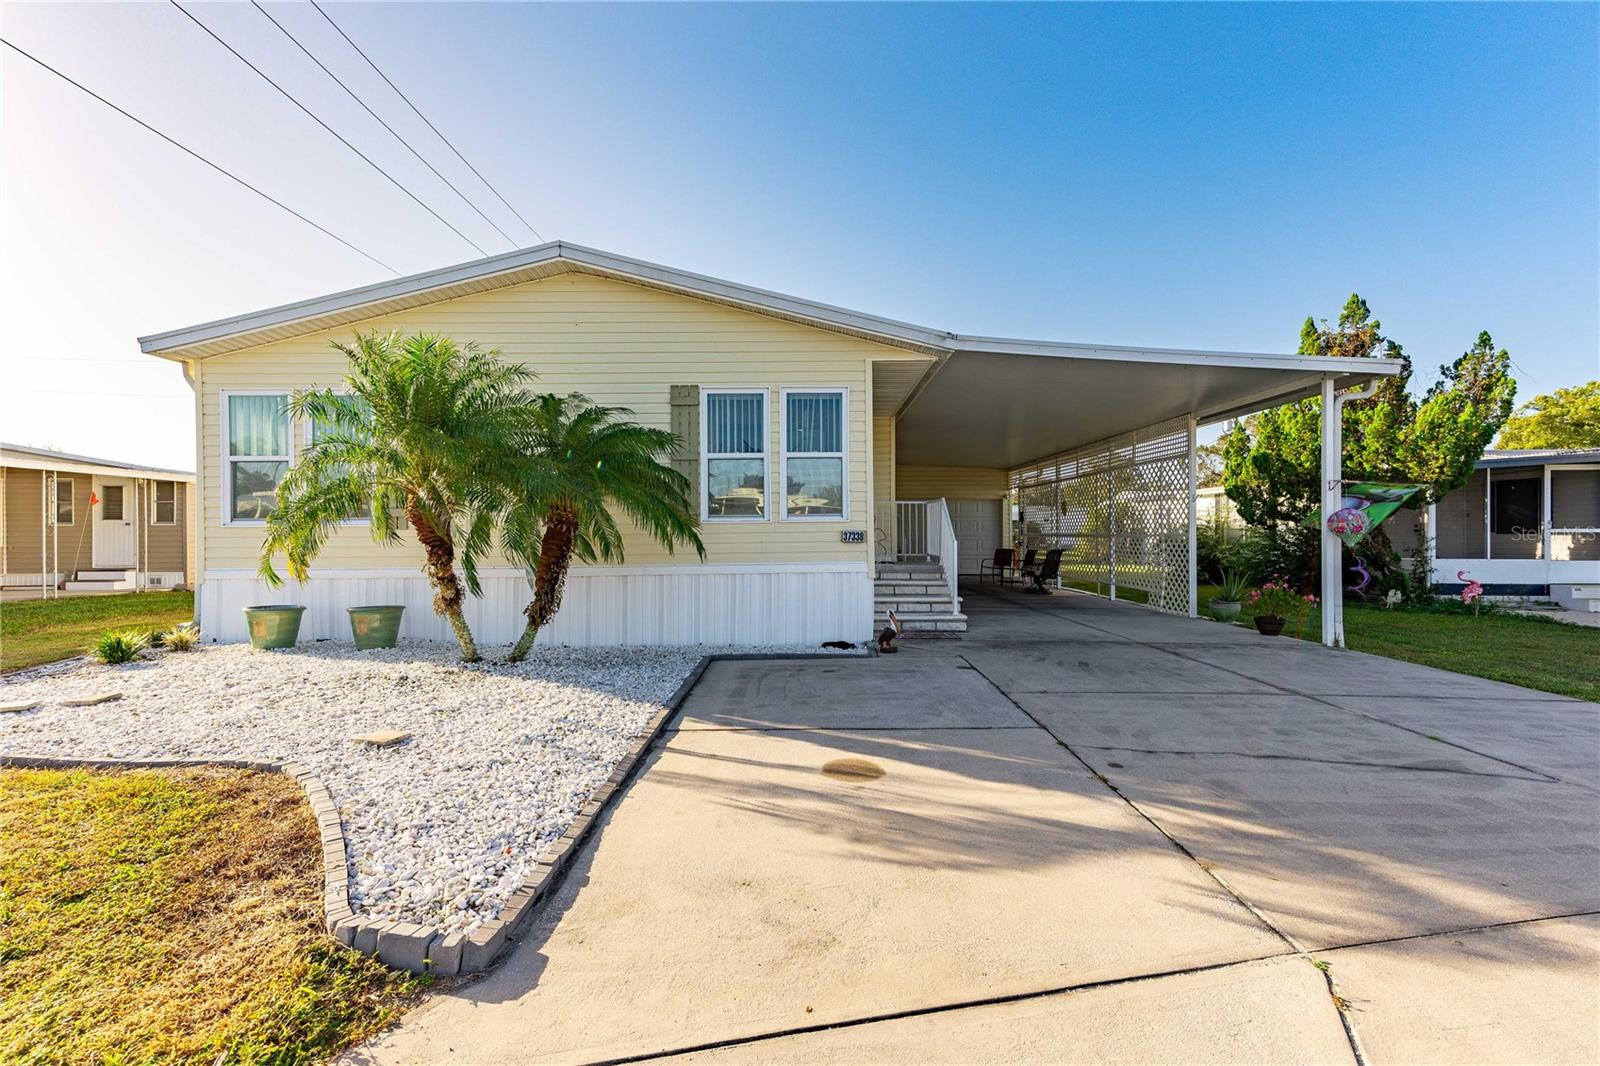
x,y
942,546
911,529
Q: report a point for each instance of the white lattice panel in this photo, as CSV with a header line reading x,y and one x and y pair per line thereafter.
x,y
1119,511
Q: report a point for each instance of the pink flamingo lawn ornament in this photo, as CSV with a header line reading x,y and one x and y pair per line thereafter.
x,y
1472,593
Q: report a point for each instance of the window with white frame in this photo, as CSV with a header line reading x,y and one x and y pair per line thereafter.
x,y
735,452
255,453
163,503
64,502
318,430
814,454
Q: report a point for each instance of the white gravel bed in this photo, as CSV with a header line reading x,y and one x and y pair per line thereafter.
x,y
442,828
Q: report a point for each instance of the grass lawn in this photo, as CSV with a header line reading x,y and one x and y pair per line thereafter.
x,y
43,631
172,916
1538,653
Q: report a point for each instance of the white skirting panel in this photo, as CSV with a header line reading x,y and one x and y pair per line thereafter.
x,y
623,605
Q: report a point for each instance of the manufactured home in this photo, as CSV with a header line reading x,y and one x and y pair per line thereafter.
x,y
76,524
844,463
1526,524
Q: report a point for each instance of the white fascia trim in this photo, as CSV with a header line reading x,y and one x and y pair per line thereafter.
x,y
521,259
1319,364
577,572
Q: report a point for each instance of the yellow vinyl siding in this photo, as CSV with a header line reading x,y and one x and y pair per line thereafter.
x,y
883,470
619,344
951,482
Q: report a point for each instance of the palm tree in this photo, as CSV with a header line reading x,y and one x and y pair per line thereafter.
x,y
420,431
576,461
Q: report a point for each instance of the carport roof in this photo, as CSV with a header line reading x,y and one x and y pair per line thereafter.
x,y
1009,401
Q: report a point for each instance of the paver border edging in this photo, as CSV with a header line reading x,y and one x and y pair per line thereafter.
x,y
426,948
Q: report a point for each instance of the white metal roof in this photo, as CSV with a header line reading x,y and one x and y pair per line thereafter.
x,y
1018,399
24,457
1499,457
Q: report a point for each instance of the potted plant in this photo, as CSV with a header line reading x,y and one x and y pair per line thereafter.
x,y
273,625
1226,605
1275,603
376,627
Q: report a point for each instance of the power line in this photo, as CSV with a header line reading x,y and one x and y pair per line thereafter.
x,y
190,151
290,97
352,93
424,118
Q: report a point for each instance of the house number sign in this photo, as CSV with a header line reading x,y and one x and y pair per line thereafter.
x,y
853,536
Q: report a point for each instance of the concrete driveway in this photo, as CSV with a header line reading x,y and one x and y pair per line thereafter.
x,y
1086,832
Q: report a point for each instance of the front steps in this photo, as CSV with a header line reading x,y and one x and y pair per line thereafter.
x,y
916,593
101,581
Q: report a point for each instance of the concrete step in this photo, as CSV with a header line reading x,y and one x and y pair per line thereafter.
x,y
909,597
909,588
913,608
102,585
910,575
102,575
925,623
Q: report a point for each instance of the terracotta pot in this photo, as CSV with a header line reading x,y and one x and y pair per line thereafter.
x,y
1270,624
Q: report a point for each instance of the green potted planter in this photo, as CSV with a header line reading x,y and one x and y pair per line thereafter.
x,y
376,627
1224,610
274,625
1225,606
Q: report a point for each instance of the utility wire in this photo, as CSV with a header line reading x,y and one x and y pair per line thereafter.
x,y
424,118
352,94
288,96
190,151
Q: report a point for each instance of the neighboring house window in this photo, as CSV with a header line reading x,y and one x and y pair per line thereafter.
x,y
111,505
256,443
1516,507
315,432
164,508
735,455
64,509
814,454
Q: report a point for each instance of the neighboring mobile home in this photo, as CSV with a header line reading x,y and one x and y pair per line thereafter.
x,y
1527,523
78,524
828,448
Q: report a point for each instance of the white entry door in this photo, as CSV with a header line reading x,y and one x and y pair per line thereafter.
x,y
113,524
978,528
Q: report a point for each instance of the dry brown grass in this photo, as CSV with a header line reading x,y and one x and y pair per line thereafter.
x,y
172,916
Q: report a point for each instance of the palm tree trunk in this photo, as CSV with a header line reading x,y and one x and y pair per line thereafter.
x,y
549,577
440,567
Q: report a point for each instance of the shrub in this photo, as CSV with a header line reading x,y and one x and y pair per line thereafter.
x,y
183,638
119,646
1281,553
1214,550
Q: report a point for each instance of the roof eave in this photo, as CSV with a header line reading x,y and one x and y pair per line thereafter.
x,y
172,344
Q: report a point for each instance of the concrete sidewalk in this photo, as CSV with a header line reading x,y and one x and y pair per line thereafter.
x,y
1084,833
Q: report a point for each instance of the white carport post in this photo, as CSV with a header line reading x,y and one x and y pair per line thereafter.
x,y
1332,594
1194,524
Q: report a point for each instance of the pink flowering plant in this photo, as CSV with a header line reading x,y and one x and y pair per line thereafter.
x,y
1277,599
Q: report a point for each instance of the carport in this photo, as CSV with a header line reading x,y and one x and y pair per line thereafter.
x,y
1097,447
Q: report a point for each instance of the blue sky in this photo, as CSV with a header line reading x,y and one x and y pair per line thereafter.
x,y
1177,175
